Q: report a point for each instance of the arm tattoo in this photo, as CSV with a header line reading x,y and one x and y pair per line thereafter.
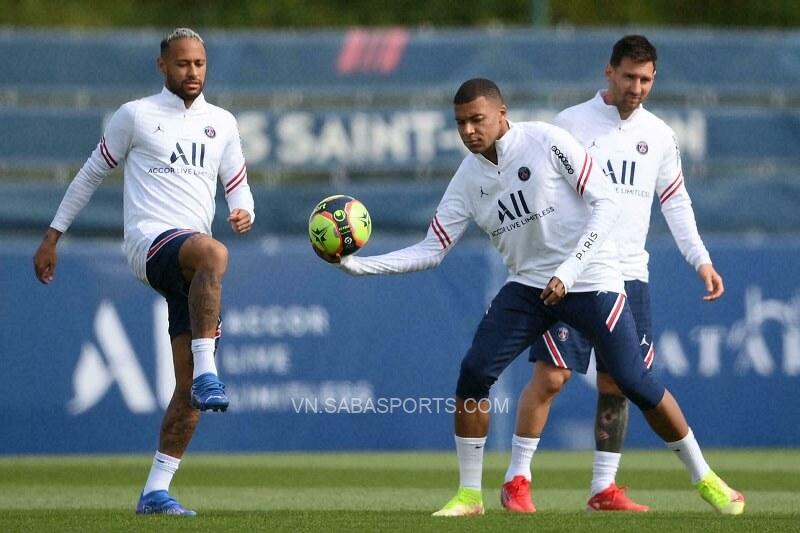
x,y
611,423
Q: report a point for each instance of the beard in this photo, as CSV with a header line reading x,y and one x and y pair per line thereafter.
x,y
179,89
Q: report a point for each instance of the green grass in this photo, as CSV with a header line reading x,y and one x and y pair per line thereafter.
x,y
385,492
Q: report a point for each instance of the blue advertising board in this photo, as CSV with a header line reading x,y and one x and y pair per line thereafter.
x,y
317,360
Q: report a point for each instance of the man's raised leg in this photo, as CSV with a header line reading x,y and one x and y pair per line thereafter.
x,y
203,261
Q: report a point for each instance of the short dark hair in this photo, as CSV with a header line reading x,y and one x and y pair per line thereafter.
x,y
636,48
475,88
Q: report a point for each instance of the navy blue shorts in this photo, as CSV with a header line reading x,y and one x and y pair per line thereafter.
x,y
564,347
164,275
517,318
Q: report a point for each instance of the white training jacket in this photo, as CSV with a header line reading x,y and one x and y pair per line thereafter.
x,y
641,159
172,157
545,206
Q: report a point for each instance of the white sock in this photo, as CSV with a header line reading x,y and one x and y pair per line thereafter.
x,y
164,467
522,450
691,456
203,352
470,461
604,470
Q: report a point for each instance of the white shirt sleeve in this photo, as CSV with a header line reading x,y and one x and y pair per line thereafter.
x,y
448,225
676,206
233,173
108,155
588,182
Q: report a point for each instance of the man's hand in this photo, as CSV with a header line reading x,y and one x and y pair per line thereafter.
x,y
712,282
554,292
240,221
45,259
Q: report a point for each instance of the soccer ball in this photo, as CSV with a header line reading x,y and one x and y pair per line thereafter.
x,y
339,225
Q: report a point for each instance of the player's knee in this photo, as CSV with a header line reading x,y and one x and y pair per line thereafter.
x,y
644,391
213,255
474,380
204,253
548,380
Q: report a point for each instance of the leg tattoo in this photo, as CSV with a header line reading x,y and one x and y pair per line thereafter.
x,y
611,423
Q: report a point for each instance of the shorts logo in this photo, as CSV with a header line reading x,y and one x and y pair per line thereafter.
x,y
210,132
561,157
642,147
524,173
563,334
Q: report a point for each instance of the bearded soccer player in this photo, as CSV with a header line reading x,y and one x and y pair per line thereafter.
x,y
640,158
546,207
173,146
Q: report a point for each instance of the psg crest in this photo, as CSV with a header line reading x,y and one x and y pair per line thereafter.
x,y
562,334
642,147
210,132
524,173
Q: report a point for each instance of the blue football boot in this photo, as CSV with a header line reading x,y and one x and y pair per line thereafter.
x,y
208,393
160,502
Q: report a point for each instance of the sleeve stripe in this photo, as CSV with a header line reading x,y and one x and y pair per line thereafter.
x,y
234,185
106,153
438,225
584,179
585,160
236,180
436,231
672,189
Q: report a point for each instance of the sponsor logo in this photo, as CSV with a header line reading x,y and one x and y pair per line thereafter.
x,y
111,360
642,147
519,205
563,158
524,173
627,171
159,129
198,154
210,132
483,193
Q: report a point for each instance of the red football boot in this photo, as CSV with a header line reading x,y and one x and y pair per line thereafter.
x,y
613,499
516,495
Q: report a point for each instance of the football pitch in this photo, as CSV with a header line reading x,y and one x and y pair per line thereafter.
x,y
385,492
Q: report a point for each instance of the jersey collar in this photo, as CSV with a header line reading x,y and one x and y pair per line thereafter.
x,y
170,99
611,111
502,146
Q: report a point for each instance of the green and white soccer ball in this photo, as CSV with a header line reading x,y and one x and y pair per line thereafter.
x,y
339,225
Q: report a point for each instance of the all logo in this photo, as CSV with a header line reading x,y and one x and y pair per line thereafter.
x,y
524,173
210,132
627,172
198,154
518,204
642,147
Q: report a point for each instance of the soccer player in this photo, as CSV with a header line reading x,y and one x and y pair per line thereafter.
x,y
173,146
548,210
640,158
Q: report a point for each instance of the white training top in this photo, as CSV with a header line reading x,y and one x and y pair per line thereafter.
x,y
640,158
172,157
545,206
